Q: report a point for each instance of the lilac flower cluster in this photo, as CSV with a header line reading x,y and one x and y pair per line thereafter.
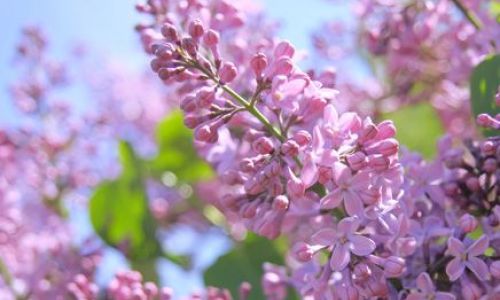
x,y
128,285
362,224
427,48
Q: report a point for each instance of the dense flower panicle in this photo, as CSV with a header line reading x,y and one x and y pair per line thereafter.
x,y
448,201
288,159
45,166
363,219
429,49
129,285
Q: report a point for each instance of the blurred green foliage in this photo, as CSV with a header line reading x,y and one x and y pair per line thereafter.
x,y
119,208
176,152
244,263
418,128
484,83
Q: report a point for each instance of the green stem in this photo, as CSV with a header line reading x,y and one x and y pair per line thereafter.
x,y
7,278
254,111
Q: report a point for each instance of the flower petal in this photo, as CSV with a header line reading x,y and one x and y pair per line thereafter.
x,y
294,86
478,267
353,204
455,268
332,200
479,246
309,174
361,245
340,257
416,296
324,237
455,247
425,284
330,114
348,225
445,296
342,174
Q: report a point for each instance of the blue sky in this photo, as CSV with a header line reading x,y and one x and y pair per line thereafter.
x,y
106,26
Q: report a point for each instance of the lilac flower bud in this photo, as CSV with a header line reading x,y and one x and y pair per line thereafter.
x,y
211,38
284,49
371,195
166,293
290,148
205,97
164,52
249,210
272,284
486,120
165,73
244,290
386,147
283,66
270,228
170,32
378,162
263,145
207,132
157,64
258,64
451,189
191,121
394,266
495,269
368,132
357,161
302,252
247,165
386,130
276,188
375,287
196,29
227,72
490,165
407,246
473,184
254,186
325,174
361,272
467,223
190,45
281,203
470,290
296,187
348,292
150,289
188,104
488,148
302,137
138,294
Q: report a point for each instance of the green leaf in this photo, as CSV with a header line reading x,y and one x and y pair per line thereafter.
x,y
418,128
495,10
244,263
176,152
120,214
484,84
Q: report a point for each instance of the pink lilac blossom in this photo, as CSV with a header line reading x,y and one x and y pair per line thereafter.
x,y
428,50
288,159
129,285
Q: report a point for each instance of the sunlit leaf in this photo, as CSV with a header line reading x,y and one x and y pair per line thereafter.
x,y
119,211
244,263
484,84
418,128
176,152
